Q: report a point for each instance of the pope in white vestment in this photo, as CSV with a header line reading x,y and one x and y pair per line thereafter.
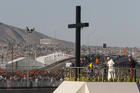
x,y
111,69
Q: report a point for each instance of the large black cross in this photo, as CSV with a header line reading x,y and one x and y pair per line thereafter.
x,y
78,27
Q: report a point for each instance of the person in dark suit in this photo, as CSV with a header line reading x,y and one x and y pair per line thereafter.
x,y
132,65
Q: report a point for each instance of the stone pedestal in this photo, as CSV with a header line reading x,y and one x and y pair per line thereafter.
x,y
97,87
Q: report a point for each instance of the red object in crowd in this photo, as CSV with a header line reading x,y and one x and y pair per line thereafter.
x,y
124,51
65,55
34,71
43,72
17,72
2,70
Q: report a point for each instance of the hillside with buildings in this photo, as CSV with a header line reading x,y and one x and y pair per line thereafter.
x,y
11,34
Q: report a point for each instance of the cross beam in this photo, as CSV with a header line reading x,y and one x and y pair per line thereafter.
x,y
78,27
81,25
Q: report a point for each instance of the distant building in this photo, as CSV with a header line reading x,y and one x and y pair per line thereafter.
x,y
46,41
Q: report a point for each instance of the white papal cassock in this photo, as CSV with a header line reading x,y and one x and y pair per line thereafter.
x,y
111,69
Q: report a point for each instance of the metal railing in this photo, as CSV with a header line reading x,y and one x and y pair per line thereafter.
x,y
101,74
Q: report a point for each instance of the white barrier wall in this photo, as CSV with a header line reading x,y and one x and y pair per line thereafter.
x,y
51,58
97,87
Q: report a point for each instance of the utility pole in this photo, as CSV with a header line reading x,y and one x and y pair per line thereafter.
x,y
2,55
12,54
12,57
78,27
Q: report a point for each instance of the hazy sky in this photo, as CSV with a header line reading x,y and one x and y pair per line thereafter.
x,y
115,22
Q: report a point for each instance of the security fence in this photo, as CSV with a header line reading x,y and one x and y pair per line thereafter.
x,y
30,79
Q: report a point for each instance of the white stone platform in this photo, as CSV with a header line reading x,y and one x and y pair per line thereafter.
x,y
97,87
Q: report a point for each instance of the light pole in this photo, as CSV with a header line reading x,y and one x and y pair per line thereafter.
x,y
29,31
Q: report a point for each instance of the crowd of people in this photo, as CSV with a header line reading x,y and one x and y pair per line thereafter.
x,y
30,79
